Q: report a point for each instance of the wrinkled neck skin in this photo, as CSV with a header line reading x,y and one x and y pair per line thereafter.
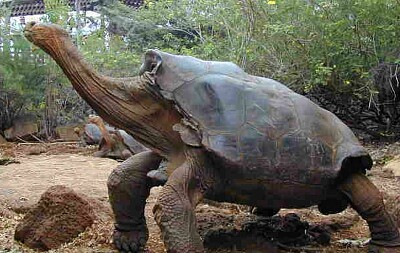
x,y
122,102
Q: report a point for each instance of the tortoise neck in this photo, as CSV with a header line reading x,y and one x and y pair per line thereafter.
x,y
122,102
90,85
104,132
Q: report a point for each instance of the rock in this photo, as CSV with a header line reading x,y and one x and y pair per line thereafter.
x,y
393,166
60,215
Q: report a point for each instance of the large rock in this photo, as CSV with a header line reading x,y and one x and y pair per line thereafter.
x,y
60,215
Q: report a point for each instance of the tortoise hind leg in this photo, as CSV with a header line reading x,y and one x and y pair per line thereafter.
x,y
366,199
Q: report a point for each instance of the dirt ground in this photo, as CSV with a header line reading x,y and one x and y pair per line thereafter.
x,y
41,166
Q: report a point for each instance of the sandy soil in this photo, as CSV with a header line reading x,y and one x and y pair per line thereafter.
x,y
42,166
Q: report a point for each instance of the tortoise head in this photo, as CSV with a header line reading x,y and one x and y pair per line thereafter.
x,y
45,36
77,131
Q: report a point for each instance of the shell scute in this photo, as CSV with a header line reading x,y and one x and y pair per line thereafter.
x,y
256,148
271,113
216,103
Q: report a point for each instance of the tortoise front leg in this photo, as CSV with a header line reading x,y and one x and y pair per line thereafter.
x,y
366,199
128,189
174,210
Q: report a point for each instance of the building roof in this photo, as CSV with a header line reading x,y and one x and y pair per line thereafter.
x,y
35,7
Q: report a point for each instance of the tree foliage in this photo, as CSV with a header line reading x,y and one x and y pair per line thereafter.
x,y
32,83
19,73
342,54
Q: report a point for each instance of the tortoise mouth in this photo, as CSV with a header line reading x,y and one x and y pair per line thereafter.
x,y
28,33
40,33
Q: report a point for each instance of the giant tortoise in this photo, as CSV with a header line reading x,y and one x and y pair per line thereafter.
x,y
115,143
227,136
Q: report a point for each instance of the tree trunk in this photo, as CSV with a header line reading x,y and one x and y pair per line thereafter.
x,y
50,113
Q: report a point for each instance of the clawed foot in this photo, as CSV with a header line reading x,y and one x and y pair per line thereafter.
x,y
130,241
385,246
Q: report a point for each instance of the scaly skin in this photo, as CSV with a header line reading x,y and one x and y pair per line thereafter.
x,y
174,210
128,188
366,199
174,213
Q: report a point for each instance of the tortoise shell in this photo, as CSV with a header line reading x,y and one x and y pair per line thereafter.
x,y
92,134
254,122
